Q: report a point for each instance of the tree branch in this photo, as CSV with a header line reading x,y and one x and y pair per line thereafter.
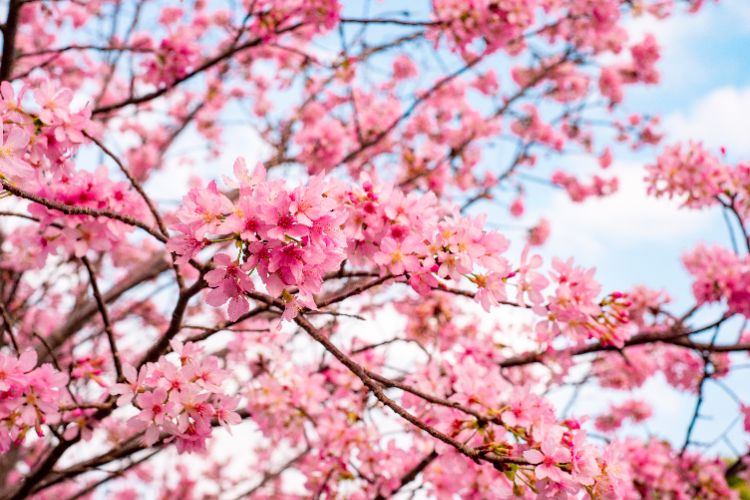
x,y
76,210
105,319
9,39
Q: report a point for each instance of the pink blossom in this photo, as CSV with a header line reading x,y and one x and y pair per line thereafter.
x,y
548,460
398,257
127,391
12,148
229,282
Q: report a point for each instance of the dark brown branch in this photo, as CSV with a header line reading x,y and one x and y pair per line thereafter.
x,y
175,323
699,401
133,182
8,327
6,213
427,397
737,466
146,199
124,450
83,313
105,318
377,390
116,473
68,48
355,290
34,479
672,336
401,22
410,110
225,325
9,39
76,210
411,475
200,69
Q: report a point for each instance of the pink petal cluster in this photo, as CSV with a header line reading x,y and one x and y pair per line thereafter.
x,y
77,234
654,469
293,237
183,401
29,397
720,275
578,191
635,410
494,23
690,173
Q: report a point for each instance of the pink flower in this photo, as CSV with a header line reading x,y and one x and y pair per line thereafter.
x,y
154,405
517,208
186,246
491,289
155,409
55,102
134,385
14,371
547,460
539,233
192,405
403,68
585,467
530,283
281,222
229,281
202,210
224,411
12,148
397,256
29,397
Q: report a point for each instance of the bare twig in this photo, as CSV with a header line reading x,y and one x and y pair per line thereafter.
x,y
105,318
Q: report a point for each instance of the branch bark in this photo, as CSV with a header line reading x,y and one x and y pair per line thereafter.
x,y
9,39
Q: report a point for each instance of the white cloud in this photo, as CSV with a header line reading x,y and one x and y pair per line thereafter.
x,y
613,225
721,118
683,39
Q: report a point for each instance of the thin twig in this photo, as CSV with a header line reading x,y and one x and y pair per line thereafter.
x,y
105,318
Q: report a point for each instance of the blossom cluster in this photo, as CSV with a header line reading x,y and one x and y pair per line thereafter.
x,y
518,423
579,192
40,137
690,172
573,308
181,400
656,470
531,125
77,234
642,68
293,237
719,274
29,397
495,23
632,409
311,16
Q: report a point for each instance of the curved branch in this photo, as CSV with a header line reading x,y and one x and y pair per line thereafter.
x,y
76,210
200,69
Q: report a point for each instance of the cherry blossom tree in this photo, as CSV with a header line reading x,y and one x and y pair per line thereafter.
x,y
334,296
